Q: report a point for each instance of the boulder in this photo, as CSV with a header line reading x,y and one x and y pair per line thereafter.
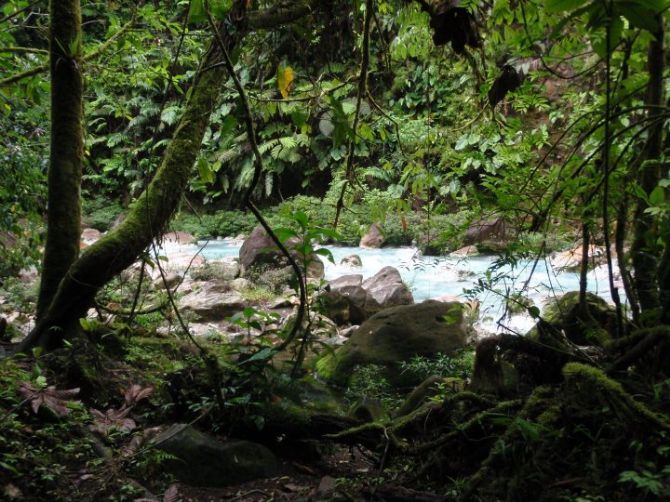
x,y
259,249
202,460
213,301
466,251
90,235
571,259
353,260
178,237
347,301
564,314
486,231
172,279
373,238
397,334
224,270
241,284
387,289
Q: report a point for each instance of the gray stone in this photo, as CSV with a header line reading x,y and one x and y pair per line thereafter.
x,y
214,301
171,280
387,289
259,249
241,284
397,334
352,260
178,237
225,270
204,461
373,238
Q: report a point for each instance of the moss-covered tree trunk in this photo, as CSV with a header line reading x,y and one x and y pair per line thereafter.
x,y
643,249
149,215
66,149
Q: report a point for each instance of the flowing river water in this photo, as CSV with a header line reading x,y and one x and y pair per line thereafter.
x,y
434,277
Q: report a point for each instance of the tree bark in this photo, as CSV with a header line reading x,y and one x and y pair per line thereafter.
x,y
643,248
148,217
66,149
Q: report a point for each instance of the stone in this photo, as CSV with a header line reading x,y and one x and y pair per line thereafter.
x,y
241,284
90,235
571,259
564,314
397,334
387,289
353,260
347,301
224,270
491,230
213,301
205,461
178,237
172,279
373,238
466,251
259,249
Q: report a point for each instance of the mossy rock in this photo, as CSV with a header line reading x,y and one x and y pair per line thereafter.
x,y
594,329
202,460
397,334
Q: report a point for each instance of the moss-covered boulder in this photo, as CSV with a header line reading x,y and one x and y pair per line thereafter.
x,y
259,249
396,334
202,460
592,328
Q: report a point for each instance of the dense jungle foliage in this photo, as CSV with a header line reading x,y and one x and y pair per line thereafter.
x,y
522,129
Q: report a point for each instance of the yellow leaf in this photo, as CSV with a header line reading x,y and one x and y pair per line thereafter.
x,y
285,77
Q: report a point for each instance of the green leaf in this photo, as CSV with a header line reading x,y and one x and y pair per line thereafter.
x,y
261,355
639,16
562,5
534,312
197,14
206,174
220,8
657,196
326,252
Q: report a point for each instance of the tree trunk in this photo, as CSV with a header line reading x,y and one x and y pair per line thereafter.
x,y
643,249
66,150
151,212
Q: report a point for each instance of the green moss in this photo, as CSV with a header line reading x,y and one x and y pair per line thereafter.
x,y
592,383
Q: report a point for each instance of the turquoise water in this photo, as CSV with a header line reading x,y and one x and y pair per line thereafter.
x,y
434,277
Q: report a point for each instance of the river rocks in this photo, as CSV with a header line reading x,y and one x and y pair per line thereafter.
x,y
353,260
564,314
202,460
571,259
223,270
178,237
172,279
387,289
214,300
397,334
90,235
466,251
259,249
491,232
352,300
373,238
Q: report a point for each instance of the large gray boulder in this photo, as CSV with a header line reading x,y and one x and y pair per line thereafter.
x,y
374,238
347,301
492,231
397,334
259,249
213,301
202,460
387,289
